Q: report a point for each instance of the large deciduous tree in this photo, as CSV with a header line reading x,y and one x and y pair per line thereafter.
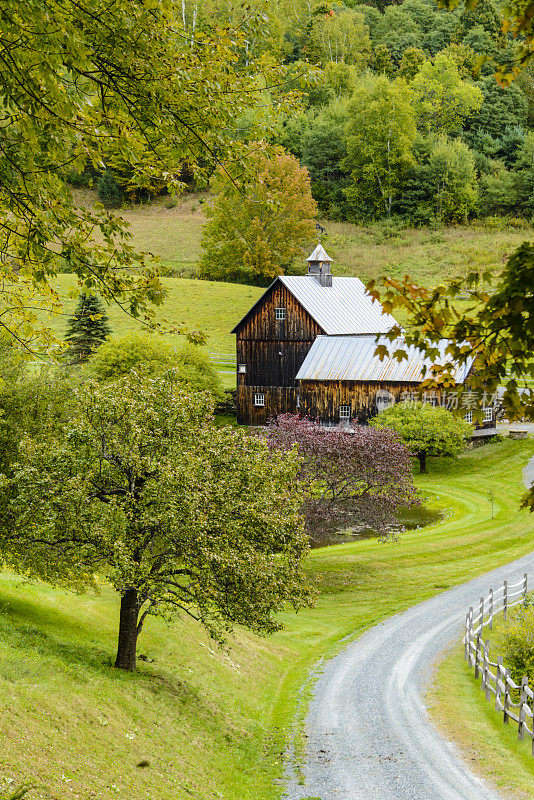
x,y
380,135
179,515
356,476
85,81
442,99
257,230
425,430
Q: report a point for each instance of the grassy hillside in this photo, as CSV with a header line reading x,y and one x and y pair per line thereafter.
x,y
211,307
429,255
212,724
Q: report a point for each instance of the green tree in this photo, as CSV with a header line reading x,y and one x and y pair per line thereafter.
x,y
83,78
381,61
181,516
109,191
503,107
411,60
453,174
524,175
255,231
442,100
380,136
398,31
441,185
498,193
87,328
482,14
341,37
151,355
425,430
324,149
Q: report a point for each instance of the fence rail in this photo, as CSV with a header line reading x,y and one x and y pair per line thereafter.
x,y
516,701
220,360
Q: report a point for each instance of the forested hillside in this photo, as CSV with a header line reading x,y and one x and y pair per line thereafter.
x,y
396,108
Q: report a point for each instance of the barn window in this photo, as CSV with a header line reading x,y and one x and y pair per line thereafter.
x,y
344,412
279,313
488,414
259,399
242,368
469,416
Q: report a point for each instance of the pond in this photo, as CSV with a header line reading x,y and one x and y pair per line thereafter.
x,y
409,518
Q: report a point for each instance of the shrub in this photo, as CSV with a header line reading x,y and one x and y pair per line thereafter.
x,y
514,640
150,355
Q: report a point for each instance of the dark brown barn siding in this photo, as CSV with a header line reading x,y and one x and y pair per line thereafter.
x,y
278,400
262,325
321,399
271,363
272,352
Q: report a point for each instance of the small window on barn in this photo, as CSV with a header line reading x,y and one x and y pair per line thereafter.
x,y
242,368
488,414
344,412
279,314
259,399
469,416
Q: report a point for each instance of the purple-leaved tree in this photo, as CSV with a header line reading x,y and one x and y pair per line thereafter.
x,y
357,476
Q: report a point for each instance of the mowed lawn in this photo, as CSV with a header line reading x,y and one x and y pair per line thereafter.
x,y
211,723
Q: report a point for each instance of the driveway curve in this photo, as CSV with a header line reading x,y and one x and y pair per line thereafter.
x,y
369,735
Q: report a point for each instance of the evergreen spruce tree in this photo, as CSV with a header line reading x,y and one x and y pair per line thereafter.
x,y
109,191
87,329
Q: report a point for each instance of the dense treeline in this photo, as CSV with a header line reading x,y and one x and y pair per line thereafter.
x,y
403,115
408,118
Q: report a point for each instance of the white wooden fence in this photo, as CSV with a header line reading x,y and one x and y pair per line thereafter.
x,y
515,701
222,360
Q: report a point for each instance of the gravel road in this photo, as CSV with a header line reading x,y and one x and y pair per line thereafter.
x,y
369,733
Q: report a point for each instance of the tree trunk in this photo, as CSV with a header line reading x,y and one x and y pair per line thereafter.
x,y
127,649
422,460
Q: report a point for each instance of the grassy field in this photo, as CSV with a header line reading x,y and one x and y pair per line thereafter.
x,y
213,724
470,721
213,308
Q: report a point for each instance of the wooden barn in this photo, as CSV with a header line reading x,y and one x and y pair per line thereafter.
x,y
278,332
308,346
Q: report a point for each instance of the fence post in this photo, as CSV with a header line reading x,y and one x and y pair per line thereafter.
x,y
486,659
466,638
525,588
470,631
522,698
506,704
505,600
490,619
484,668
497,687
477,671
481,613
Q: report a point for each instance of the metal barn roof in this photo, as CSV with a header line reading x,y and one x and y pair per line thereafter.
x,y
342,308
351,358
